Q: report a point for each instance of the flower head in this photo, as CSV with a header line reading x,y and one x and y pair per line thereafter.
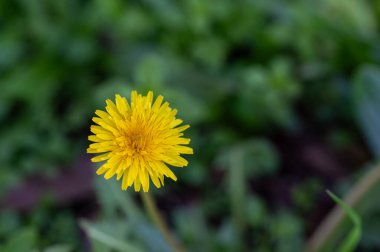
x,y
138,141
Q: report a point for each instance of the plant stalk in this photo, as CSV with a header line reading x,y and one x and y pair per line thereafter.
x,y
158,220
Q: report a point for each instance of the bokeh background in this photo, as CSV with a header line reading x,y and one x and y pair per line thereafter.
x,y
283,98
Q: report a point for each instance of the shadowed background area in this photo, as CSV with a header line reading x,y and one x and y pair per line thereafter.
x,y
283,99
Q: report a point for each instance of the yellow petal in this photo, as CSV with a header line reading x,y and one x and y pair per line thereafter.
x,y
122,104
175,123
154,177
157,103
105,136
182,128
102,169
162,168
137,185
133,170
100,158
104,125
183,149
175,160
124,184
144,178
149,99
110,173
112,110
104,116
99,130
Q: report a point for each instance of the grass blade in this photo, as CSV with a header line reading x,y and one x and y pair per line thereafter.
x,y
353,238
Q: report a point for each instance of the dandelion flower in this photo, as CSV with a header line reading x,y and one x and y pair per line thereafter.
x,y
138,141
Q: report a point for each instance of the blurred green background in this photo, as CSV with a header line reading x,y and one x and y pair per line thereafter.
x,y
283,99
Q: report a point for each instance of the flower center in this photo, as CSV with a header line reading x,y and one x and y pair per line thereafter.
x,y
137,142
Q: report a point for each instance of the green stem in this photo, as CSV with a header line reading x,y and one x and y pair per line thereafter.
x,y
331,223
154,214
237,191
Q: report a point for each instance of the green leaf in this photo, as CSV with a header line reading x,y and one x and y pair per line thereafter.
x,y
365,94
21,241
353,238
59,248
113,198
106,239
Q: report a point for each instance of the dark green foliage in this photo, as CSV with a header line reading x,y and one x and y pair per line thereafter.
x,y
265,86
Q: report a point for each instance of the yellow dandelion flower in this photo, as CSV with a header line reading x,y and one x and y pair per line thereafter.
x,y
138,141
